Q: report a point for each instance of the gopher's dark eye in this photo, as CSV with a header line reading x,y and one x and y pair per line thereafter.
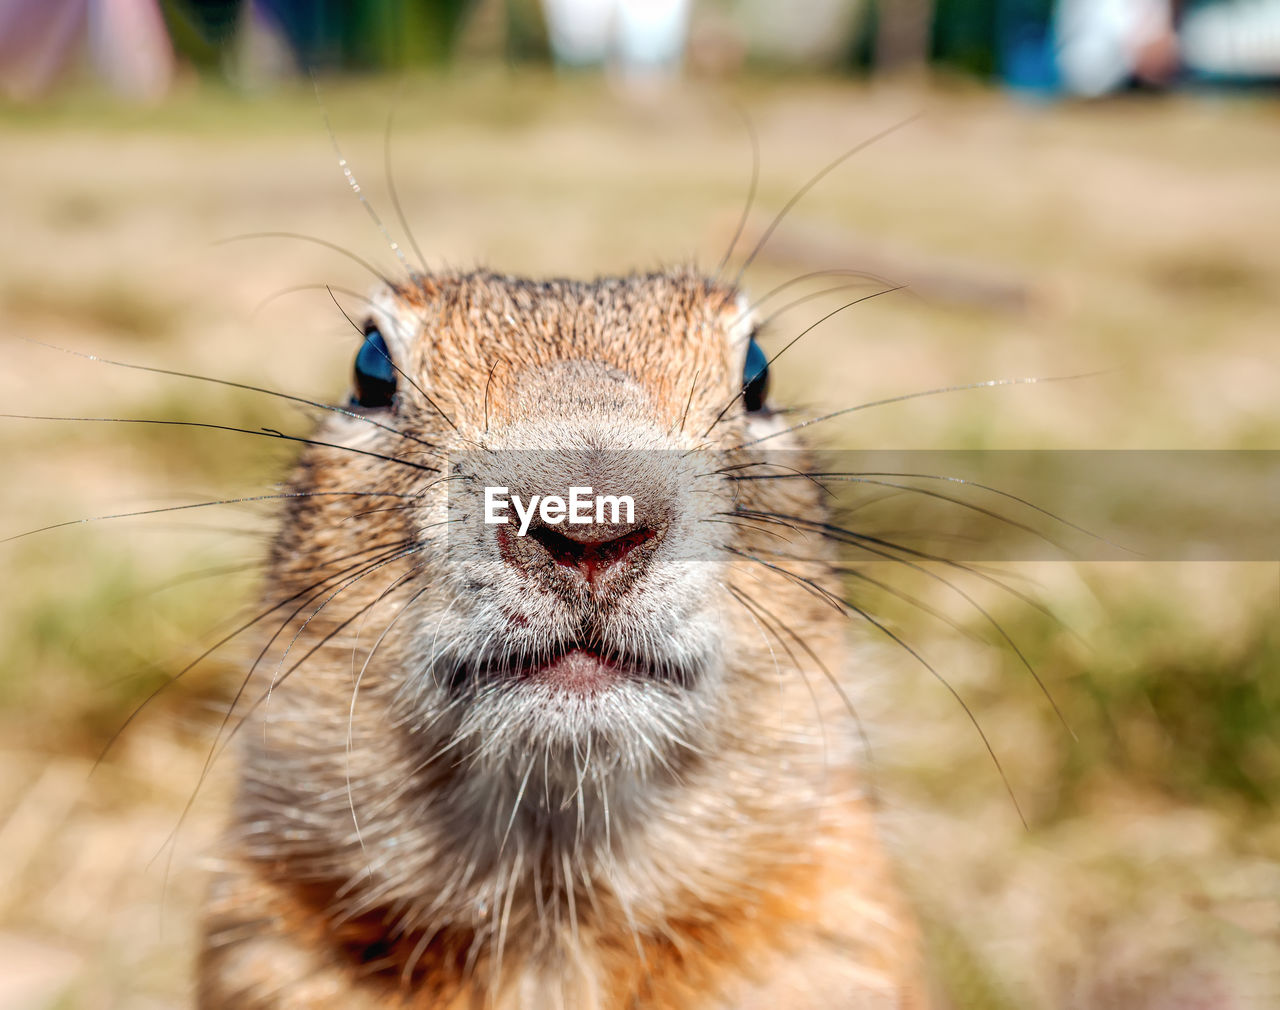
x,y
755,378
375,377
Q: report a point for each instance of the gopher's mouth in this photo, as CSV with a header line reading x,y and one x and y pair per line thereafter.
x,y
580,670
574,667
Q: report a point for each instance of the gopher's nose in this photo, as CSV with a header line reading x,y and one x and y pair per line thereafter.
x,y
594,552
586,550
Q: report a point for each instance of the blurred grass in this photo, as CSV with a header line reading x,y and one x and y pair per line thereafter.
x,y
1198,726
1143,234
118,307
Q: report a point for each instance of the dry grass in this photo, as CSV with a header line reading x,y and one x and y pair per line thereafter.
x,y
1145,237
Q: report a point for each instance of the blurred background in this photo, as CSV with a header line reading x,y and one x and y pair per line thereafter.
x,y
1090,187
140,48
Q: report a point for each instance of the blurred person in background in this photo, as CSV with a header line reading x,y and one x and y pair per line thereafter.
x,y
1104,45
126,42
1088,48
637,35
1093,48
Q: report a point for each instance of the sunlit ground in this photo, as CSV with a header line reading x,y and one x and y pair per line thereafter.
x,y
1136,239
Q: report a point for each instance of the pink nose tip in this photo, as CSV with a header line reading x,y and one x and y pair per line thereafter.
x,y
591,558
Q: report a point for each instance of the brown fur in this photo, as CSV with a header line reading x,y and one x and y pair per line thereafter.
x,y
386,853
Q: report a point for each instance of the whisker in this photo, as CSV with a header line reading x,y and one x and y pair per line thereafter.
x,y
727,471
314,240
689,401
876,482
913,601
199,576
359,679
857,301
415,500
215,750
231,384
863,540
297,288
744,525
812,275
260,534
390,508
751,193
415,548
201,505
861,475
836,686
883,629
997,491
235,633
813,181
969,714
396,552
791,343
258,432
487,383
349,175
849,569
987,384
809,585
811,297
391,181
